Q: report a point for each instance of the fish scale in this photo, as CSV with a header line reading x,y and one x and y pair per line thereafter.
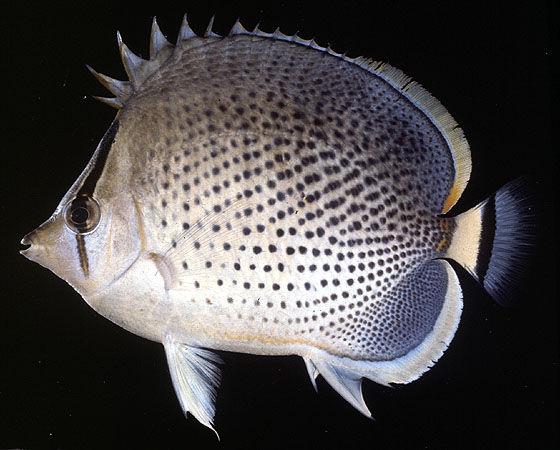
x,y
262,194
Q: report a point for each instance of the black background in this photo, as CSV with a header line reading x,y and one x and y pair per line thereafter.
x,y
70,379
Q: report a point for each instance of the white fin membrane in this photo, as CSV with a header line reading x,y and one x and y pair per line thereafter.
x,y
195,377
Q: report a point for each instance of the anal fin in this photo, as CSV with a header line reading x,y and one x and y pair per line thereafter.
x,y
435,286
195,377
312,372
346,382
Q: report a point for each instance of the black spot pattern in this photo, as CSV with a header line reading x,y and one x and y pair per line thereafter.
x,y
301,193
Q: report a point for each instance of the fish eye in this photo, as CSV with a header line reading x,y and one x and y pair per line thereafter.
x,y
82,215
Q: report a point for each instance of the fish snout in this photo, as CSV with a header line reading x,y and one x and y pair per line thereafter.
x,y
35,245
28,242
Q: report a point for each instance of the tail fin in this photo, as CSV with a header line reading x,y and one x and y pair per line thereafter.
x,y
494,240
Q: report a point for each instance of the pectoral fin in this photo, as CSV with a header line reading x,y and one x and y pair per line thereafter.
x,y
195,377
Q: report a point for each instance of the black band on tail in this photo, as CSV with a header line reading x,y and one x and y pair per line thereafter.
x,y
487,236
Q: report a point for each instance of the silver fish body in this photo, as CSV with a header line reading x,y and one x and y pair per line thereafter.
x,y
261,194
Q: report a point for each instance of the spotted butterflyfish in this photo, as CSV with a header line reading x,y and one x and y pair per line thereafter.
x,y
259,193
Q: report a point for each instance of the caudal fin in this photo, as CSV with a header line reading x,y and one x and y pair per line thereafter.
x,y
494,240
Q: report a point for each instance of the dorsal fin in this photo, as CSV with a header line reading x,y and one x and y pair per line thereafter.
x,y
138,70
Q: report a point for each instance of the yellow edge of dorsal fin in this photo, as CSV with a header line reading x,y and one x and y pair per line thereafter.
x,y
453,134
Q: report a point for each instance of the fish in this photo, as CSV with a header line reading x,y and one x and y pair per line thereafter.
x,y
260,193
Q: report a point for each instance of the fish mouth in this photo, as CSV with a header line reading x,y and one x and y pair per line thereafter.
x,y
27,241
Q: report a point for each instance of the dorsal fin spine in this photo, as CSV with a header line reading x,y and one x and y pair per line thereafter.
x,y
114,102
256,29
209,32
132,64
238,28
185,32
121,89
157,41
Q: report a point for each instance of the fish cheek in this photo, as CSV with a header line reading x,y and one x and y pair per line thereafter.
x,y
124,239
91,261
111,249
